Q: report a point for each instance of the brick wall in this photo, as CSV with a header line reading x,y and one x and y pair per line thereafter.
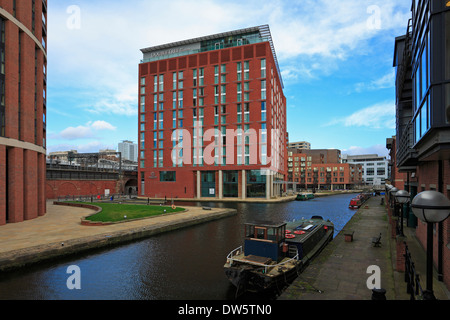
x,y
70,188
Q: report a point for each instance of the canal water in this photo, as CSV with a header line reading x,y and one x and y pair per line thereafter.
x,y
185,264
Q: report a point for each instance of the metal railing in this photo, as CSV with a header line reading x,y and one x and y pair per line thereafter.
x,y
412,279
239,250
406,143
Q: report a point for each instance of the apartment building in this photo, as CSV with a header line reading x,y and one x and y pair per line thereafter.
x,y
23,90
321,169
422,63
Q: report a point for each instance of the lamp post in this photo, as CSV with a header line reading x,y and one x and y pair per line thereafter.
x,y
430,207
402,197
392,193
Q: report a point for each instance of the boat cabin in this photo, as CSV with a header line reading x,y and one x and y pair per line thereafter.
x,y
264,239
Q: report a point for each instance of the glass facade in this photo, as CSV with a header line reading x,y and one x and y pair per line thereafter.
x,y
230,184
2,79
256,184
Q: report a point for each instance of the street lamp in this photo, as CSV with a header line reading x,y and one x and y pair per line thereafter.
x,y
430,207
402,197
392,193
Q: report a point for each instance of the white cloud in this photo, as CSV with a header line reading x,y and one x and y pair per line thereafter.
x,y
378,116
386,81
102,125
376,149
83,132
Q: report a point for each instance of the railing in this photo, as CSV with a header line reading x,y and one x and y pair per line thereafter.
x,y
412,279
405,144
97,197
238,251
403,67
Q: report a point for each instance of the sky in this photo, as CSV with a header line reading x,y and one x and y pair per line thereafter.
x,y
335,56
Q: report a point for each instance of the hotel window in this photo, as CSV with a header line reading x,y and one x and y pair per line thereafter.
x,y
216,94
180,99
263,68
239,71
142,103
239,92
263,90
246,70
174,119
264,133
155,84
246,112
155,102
194,76
239,113
201,77
216,74
174,100
160,159
223,94
174,81
263,111
161,82
167,176
143,81
161,122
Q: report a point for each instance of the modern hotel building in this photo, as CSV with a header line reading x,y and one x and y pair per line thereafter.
x,y
23,38
212,118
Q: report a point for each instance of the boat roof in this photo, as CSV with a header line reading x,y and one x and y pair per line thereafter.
x,y
268,224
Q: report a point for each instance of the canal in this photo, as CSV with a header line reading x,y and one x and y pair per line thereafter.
x,y
182,265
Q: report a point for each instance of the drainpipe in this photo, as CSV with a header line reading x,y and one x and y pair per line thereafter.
x,y
441,225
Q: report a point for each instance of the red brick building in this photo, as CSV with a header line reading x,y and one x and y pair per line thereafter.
x,y
321,170
212,121
23,30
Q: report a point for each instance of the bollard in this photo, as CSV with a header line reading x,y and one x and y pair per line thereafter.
x,y
378,294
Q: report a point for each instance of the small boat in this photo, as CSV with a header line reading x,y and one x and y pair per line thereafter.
x,y
275,253
304,196
359,200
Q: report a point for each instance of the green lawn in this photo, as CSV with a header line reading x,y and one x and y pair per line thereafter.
x,y
112,212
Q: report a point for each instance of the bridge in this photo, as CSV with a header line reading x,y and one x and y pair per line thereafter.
x,y
90,174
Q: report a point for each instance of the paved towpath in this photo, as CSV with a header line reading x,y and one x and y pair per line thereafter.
x,y
340,272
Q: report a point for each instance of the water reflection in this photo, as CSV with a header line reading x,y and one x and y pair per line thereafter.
x,y
182,265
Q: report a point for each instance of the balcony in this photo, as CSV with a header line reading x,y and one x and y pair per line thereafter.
x,y
407,156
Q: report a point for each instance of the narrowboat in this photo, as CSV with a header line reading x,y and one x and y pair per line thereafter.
x,y
359,200
274,254
304,196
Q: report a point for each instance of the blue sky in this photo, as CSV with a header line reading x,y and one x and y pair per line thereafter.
x,y
335,57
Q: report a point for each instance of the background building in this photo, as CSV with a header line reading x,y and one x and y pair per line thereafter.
x,y
422,62
299,145
375,168
23,78
129,150
212,117
321,169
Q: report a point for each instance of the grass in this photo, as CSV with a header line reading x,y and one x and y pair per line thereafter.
x,y
112,212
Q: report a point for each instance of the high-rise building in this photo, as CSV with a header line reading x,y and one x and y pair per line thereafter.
x,y
23,90
129,150
212,120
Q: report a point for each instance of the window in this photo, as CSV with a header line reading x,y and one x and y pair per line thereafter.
x,y
447,45
263,68
167,176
